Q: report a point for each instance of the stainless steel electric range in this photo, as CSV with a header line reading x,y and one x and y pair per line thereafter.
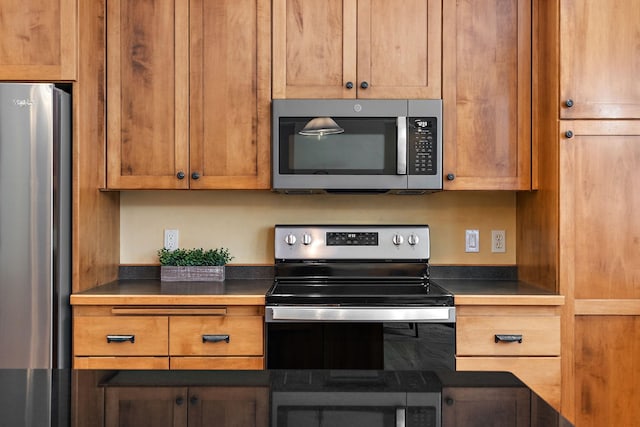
x,y
357,297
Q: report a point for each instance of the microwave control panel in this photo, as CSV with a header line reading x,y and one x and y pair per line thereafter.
x,y
422,140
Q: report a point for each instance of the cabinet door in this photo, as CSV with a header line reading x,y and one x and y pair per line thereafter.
x,y
599,64
482,406
357,48
607,372
314,48
487,94
146,406
228,406
600,225
541,374
147,94
38,39
399,49
230,93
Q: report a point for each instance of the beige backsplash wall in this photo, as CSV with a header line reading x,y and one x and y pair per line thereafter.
x,y
243,221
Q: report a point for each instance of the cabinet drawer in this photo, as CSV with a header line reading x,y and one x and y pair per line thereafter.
x,y
476,335
226,362
207,336
97,362
120,336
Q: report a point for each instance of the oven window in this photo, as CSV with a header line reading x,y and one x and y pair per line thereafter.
x,y
367,147
336,416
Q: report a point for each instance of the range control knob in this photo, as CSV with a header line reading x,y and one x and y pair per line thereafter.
x,y
306,239
290,239
413,240
398,240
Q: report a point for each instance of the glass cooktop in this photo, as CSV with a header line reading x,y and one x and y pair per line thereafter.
x,y
349,292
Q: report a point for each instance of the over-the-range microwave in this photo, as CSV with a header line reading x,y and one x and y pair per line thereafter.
x,y
339,145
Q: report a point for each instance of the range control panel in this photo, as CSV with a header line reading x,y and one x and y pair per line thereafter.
x,y
358,242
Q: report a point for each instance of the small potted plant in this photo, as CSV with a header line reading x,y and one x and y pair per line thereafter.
x,y
190,265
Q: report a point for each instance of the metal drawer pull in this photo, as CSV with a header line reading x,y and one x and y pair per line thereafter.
x,y
509,338
121,338
215,338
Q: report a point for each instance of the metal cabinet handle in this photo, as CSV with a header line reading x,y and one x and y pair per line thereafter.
x,y
451,176
509,338
195,175
364,85
569,103
401,417
349,85
180,175
215,338
121,338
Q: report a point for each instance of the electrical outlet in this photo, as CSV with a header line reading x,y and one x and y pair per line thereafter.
x,y
498,241
171,239
472,241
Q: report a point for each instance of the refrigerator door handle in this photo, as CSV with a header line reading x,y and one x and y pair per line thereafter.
x,y
121,338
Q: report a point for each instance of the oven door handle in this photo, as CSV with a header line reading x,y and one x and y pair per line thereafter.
x,y
361,314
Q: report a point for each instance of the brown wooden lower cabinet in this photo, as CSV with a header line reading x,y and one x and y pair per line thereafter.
x,y
156,337
529,347
186,406
541,374
482,406
607,370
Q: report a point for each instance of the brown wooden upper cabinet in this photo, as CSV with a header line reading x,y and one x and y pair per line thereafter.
x,y
599,64
487,94
188,92
357,48
38,40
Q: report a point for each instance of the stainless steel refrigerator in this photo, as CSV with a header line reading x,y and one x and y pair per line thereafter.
x,y
35,249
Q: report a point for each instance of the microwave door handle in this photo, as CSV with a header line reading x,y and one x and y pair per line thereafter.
x,y
401,167
401,417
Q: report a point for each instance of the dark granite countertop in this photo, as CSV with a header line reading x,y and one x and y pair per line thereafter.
x,y
249,284
64,397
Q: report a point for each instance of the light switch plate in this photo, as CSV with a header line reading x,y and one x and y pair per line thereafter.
x,y
472,241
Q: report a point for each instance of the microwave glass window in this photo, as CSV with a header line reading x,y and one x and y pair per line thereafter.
x,y
336,152
367,146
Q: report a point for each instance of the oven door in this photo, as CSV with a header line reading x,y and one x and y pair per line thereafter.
x,y
361,345
355,409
